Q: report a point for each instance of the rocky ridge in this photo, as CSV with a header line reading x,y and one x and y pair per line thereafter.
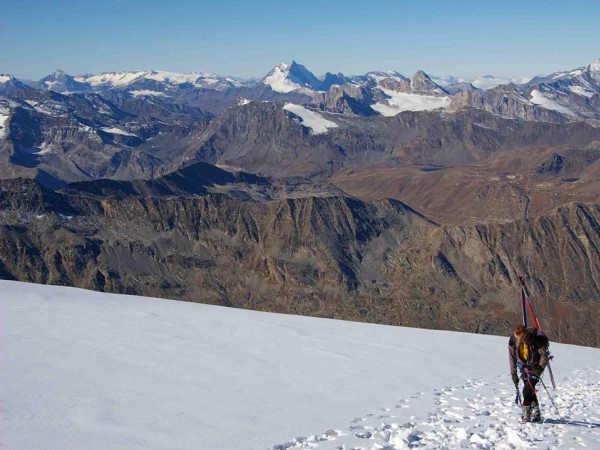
x,y
326,255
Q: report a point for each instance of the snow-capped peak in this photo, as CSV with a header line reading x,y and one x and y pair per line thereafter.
x,y
594,72
278,80
9,84
178,78
60,81
290,77
124,79
111,78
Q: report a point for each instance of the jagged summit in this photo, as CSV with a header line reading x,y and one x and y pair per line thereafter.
x,y
59,81
290,77
9,84
330,79
422,84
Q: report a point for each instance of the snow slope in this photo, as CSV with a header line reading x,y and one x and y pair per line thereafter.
x,y
86,370
399,101
315,122
123,79
4,115
144,92
279,80
114,130
540,99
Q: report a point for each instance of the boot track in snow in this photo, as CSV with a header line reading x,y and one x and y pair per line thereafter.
x,y
480,414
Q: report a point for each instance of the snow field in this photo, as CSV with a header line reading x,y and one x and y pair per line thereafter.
x,y
3,120
399,101
310,119
87,370
538,98
478,414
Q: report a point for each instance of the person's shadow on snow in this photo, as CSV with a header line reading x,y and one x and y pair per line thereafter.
x,y
577,423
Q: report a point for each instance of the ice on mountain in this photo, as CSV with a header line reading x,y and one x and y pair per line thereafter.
x,y
538,98
310,119
399,101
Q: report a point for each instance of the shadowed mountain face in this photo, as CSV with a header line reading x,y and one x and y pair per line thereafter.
x,y
265,138
59,138
292,251
467,167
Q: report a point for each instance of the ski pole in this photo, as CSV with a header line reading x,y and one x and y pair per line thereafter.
x,y
550,372
551,400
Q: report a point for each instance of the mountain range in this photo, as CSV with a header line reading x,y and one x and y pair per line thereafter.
x,y
570,93
377,197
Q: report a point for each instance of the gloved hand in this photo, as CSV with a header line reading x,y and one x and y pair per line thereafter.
x,y
525,375
537,372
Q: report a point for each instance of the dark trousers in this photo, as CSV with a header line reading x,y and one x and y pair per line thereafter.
x,y
529,395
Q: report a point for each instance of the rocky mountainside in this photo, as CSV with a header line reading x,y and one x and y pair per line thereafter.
x,y
58,138
509,102
265,138
62,82
323,254
380,197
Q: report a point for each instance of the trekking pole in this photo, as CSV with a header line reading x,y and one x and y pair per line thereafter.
x,y
550,371
518,400
551,400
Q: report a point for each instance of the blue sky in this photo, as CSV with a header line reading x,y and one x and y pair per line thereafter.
x,y
248,38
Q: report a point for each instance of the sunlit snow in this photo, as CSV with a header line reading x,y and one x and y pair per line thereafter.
x,y
540,99
44,148
310,119
173,77
116,131
3,121
581,91
4,115
278,80
87,370
400,101
576,72
4,78
144,92
51,84
201,79
113,79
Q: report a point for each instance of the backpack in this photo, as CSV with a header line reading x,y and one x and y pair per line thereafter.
x,y
541,340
